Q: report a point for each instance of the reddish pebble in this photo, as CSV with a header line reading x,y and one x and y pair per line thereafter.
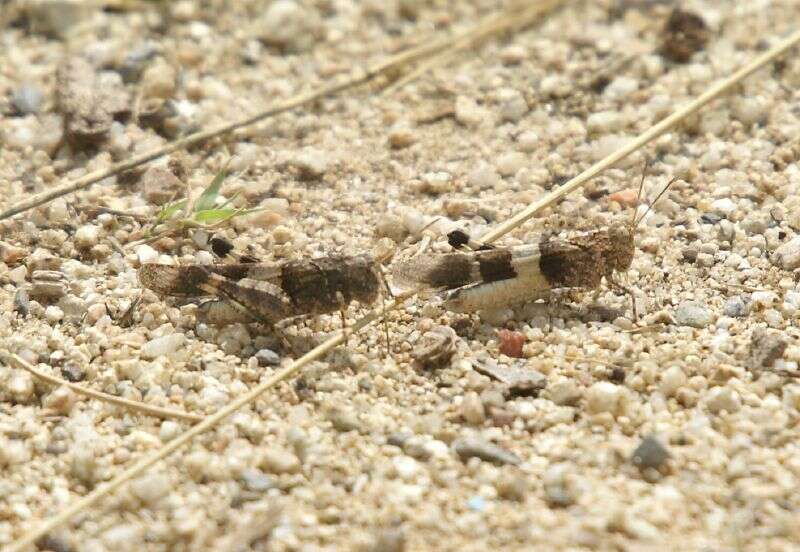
x,y
511,343
628,198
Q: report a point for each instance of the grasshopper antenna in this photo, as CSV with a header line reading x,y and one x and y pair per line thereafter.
x,y
650,207
639,195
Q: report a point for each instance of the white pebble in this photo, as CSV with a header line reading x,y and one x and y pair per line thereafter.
x,y
169,430
53,314
509,163
724,207
787,256
468,112
150,488
764,299
278,461
604,122
472,409
13,451
158,80
672,379
603,396
18,275
20,386
512,104
620,88
528,141
513,54
146,254
312,163
723,399
405,466
162,346
290,26
483,177
61,399
86,236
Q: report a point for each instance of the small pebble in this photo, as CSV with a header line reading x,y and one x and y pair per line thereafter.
x,y
512,105
766,346
401,137
169,430
27,99
160,185
483,177
162,346
528,141
564,393
22,303
151,488
787,256
267,357
468,113
436,183
86,236
558,488
388,540
344,420
257,481
626,198
472,409
21,387
672,379
690,313
513,54
53,314
290,26
435,348
723,399
510,163
279,461
650,454
61,399
603,396
158,80
511,343
311,163
477,448
724,207
736,307
146,254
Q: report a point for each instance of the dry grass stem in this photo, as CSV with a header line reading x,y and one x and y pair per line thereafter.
x,y
142,408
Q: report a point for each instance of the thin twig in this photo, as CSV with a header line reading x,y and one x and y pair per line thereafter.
x,y
141,407
357,78
211,421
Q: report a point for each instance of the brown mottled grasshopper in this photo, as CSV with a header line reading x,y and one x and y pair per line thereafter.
x,y
269,293
491,277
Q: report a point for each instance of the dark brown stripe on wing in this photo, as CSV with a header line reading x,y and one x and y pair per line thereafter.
x,y
495,264
173,280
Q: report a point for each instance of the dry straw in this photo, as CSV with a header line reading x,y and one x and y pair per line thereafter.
x,y
135,406
139,467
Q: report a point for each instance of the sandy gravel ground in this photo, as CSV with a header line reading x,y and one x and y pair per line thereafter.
x,y
676,432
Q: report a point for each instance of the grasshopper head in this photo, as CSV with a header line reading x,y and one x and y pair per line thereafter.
x,y
622,247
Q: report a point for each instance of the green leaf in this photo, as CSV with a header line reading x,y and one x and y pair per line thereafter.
x,y
214,216
168,211
208,198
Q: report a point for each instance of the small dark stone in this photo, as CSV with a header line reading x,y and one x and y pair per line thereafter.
x,y
617,375
684,34
72,372
22,303
710,218
650,454
267,357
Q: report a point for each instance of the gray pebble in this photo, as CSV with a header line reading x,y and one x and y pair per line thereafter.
x,y
344,420
267,357
27,99
690,313
72,372
477,448
765,348
22,303
736,307
650,454
257,481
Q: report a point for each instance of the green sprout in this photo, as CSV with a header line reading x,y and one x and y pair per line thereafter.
x,y
202,213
